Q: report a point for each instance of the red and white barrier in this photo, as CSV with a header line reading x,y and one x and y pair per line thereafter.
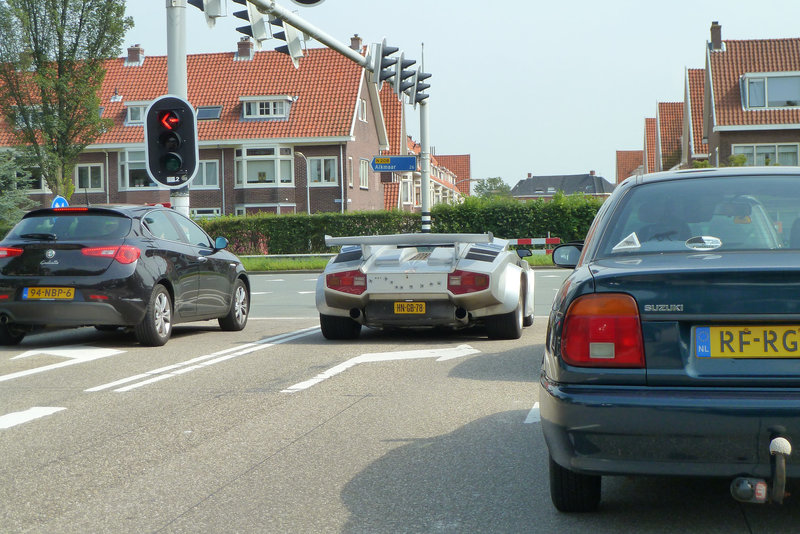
x,y
537,241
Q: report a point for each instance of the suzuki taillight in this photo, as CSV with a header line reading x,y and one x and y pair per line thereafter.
x,y
603,330
352,282
9,252
460,282
123,254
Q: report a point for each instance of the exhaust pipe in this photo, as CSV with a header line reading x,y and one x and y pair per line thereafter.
x,y
355,313
461,314
758,490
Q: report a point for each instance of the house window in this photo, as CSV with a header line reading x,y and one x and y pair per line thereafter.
x,y
265,109
89,177
35,180
769,154
773,91
322,171
405,191
133,170
362,110
207,176
264,167
363,174
206,113
350,171
135,115
205,213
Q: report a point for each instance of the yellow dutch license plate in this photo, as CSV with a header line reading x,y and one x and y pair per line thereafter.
x,y
736,341
48,293
409,307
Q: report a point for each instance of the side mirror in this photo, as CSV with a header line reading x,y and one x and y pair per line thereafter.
x,y
524,252
567,255
220,243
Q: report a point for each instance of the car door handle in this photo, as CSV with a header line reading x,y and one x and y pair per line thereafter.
x,y
202,259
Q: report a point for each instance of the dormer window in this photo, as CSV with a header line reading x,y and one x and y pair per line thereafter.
x,y
135,113
266,107
771,90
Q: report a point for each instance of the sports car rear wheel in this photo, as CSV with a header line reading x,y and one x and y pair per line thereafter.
x,y
334,327
240,307
9,335
506,325
156,327
573,492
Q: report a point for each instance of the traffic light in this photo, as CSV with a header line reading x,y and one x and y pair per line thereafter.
x,y
258,28
400,83
170,133
212,9
415,94
294,44
380,62
308,3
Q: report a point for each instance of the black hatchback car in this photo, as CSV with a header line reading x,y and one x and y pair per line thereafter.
x,y
141,267
673,348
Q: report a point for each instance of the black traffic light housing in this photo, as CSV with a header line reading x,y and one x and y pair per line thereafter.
x,y
170,133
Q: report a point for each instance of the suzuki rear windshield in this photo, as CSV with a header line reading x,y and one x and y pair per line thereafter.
x,y
71,227
706,214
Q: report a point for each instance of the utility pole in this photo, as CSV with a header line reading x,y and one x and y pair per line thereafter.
x,y
177,83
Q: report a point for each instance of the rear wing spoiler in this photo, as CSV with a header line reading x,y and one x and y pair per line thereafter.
x,y
421,239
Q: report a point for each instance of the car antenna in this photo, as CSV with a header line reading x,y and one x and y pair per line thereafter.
x,y
86,195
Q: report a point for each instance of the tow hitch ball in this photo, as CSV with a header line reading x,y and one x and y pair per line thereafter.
x,y
758,490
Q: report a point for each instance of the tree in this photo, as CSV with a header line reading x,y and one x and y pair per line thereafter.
x,y
492,187
51,68
13,182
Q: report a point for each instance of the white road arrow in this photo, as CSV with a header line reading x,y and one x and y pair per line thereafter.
x,y
439,354
75,354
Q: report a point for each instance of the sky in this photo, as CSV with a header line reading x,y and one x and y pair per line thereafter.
x,y
523,86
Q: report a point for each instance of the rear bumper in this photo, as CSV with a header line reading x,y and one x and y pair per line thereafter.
x,y
668,431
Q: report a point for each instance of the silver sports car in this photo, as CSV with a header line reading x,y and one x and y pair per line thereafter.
x,y
425,280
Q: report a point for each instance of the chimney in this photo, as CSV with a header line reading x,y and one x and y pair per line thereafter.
x,y
135,55
716,36
355,43
591,173
244,49
530,175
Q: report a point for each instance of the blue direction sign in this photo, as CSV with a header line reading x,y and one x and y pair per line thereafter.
x,y
59,202
394,163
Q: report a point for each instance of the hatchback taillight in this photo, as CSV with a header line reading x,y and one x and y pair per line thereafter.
x,y
123,254
460,282
603,330
352,282
9,252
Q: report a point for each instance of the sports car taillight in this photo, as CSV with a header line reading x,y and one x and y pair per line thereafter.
x,y
603,330
9,252
123,254
460,282
353,282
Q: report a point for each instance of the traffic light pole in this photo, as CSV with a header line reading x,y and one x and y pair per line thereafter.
x,y
177,82
425,165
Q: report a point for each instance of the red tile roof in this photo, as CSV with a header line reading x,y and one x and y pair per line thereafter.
x,y
461,166
628,162
391,195
325,87
670,128
740,57
650,144
696,79
393,116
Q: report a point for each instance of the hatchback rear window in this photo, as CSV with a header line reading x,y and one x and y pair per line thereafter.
x,y
71,227
705,214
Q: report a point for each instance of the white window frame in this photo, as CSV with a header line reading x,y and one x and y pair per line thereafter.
x,y
280,207
89,167
756,146
363,174
205,213
350,172
765,77
132,109
125,162
362,110
407,192
316,164
281,156
265,107
200,180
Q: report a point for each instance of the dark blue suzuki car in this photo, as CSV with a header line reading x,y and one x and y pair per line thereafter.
x,y
143,268
673,348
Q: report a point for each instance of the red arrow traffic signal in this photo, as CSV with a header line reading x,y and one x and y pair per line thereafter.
x,y
169,120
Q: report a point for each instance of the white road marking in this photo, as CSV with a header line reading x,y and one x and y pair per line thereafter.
x,y
533,415
439,354
18,418
76,354
200,362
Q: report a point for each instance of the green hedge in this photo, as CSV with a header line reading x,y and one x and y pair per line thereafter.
x,y
567,217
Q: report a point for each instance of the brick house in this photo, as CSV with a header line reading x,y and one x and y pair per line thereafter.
x,y
272,138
